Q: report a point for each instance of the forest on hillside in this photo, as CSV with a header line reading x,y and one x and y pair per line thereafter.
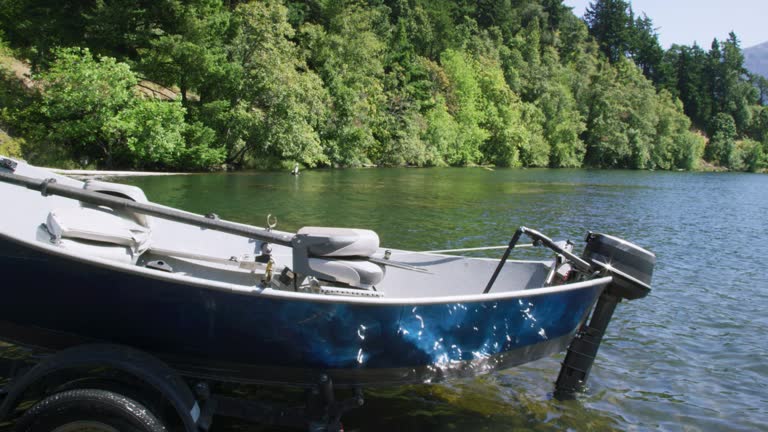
x,y
200,84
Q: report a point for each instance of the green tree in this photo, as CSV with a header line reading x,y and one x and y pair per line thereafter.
x,y
761,83
189,54
646,50
82,95
722,144
515,135
147,134
349,56
563,126
758,128
610,22
674,145
751,156
623,125
275,80
37,27
688,78
90,109
465,104
408,93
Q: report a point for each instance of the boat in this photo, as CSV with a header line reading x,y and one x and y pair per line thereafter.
x,y
96,262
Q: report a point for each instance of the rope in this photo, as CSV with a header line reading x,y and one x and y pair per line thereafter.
x,y
476,249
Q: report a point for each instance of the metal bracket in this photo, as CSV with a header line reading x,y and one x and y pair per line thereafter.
x,y
271,222
44,186
8,164
159,265
538,239
301,244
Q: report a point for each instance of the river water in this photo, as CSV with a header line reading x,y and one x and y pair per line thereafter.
x,y
693,356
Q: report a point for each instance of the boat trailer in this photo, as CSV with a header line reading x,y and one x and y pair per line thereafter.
x,y
122,381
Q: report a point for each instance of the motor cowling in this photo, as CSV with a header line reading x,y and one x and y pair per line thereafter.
x,y
630,265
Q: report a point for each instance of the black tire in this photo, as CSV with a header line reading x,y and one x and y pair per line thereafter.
x,y
88,410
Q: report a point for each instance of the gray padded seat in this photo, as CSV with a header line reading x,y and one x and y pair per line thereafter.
x,y
340,242
334,255
98,231
356,273
99,225
123,191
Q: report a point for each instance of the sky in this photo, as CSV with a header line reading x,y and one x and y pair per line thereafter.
x,y
685,21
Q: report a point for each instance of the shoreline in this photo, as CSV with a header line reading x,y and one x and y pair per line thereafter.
x,y
102,174
95,174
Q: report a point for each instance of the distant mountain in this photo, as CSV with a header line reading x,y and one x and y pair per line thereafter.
x,y
756,59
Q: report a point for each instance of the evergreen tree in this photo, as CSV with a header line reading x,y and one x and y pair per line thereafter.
x,y
646,50
609,22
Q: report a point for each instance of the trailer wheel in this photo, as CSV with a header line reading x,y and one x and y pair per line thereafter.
x,y
88,410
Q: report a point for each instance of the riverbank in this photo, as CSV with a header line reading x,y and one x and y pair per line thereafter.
x,y
106,174
96,174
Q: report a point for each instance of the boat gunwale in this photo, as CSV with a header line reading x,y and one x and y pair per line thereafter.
x,y
297,296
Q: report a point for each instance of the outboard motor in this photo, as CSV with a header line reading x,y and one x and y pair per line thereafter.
x,y
631,268
630,265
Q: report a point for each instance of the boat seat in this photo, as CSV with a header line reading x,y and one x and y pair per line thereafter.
x,y
97,226
122,191
111,252
340,242
356,273
338,255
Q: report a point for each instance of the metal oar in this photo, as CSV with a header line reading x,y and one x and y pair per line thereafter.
x,y
50,187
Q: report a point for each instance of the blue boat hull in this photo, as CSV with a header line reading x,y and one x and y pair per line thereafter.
x,y
53,302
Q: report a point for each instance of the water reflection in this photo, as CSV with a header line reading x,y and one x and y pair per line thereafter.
x,y
478,404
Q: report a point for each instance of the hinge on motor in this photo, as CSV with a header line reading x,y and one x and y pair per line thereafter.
x,y
8,164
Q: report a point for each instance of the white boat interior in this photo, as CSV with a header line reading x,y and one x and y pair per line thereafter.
x,y
347,262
